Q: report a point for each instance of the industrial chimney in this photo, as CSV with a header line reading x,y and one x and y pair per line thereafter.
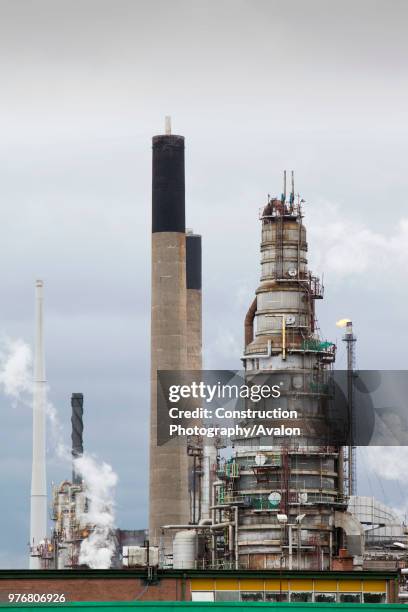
x,y
169,496
194,300
77,424
38,510
200,473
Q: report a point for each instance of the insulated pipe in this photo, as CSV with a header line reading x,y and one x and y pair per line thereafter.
x,y
221,525
38,506
231,540
330,551
249,323
213,517
290,548
215,484
209,458
77,406
168,496
189,526
236,538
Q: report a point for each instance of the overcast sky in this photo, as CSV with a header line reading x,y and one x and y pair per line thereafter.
x,y
255,86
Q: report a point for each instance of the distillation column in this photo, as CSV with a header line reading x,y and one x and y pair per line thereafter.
x,y
297,479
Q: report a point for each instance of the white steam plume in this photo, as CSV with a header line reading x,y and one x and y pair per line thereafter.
x,y
100,480
16,369
16,382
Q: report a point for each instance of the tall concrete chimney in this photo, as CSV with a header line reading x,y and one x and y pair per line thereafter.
x,y
77,425
194,301
38,510
169,497
200,486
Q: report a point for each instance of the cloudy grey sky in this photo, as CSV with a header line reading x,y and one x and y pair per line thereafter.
x,y
255,86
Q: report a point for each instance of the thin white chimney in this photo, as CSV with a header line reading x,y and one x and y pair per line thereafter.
x,y
38,521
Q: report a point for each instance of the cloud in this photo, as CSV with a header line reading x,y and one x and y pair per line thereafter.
x,y
223,351
346,247
390,463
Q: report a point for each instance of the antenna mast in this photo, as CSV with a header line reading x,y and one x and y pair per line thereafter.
x,y
350,340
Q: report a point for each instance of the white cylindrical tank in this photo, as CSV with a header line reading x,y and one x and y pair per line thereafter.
x,y
209,459
185,549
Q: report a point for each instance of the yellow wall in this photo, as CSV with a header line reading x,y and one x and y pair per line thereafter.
x,y
325,586
276,585
301,585
202,584
349,586
251,585
374,586
227,584
318,585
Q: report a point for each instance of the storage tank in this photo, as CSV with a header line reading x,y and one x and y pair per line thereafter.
x,y
185,549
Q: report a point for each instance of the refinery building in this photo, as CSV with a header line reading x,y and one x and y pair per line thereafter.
x,y
261,519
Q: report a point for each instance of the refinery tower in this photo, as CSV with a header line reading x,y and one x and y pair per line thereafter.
x,y
288,493
274,502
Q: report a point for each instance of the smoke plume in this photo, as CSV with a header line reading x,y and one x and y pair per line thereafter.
x,y
100,481
16,382
16,369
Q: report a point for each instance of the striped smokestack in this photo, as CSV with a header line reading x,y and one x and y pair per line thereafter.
x,y
169,499
77,428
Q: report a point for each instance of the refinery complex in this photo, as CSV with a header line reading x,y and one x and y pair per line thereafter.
x,y
256,518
